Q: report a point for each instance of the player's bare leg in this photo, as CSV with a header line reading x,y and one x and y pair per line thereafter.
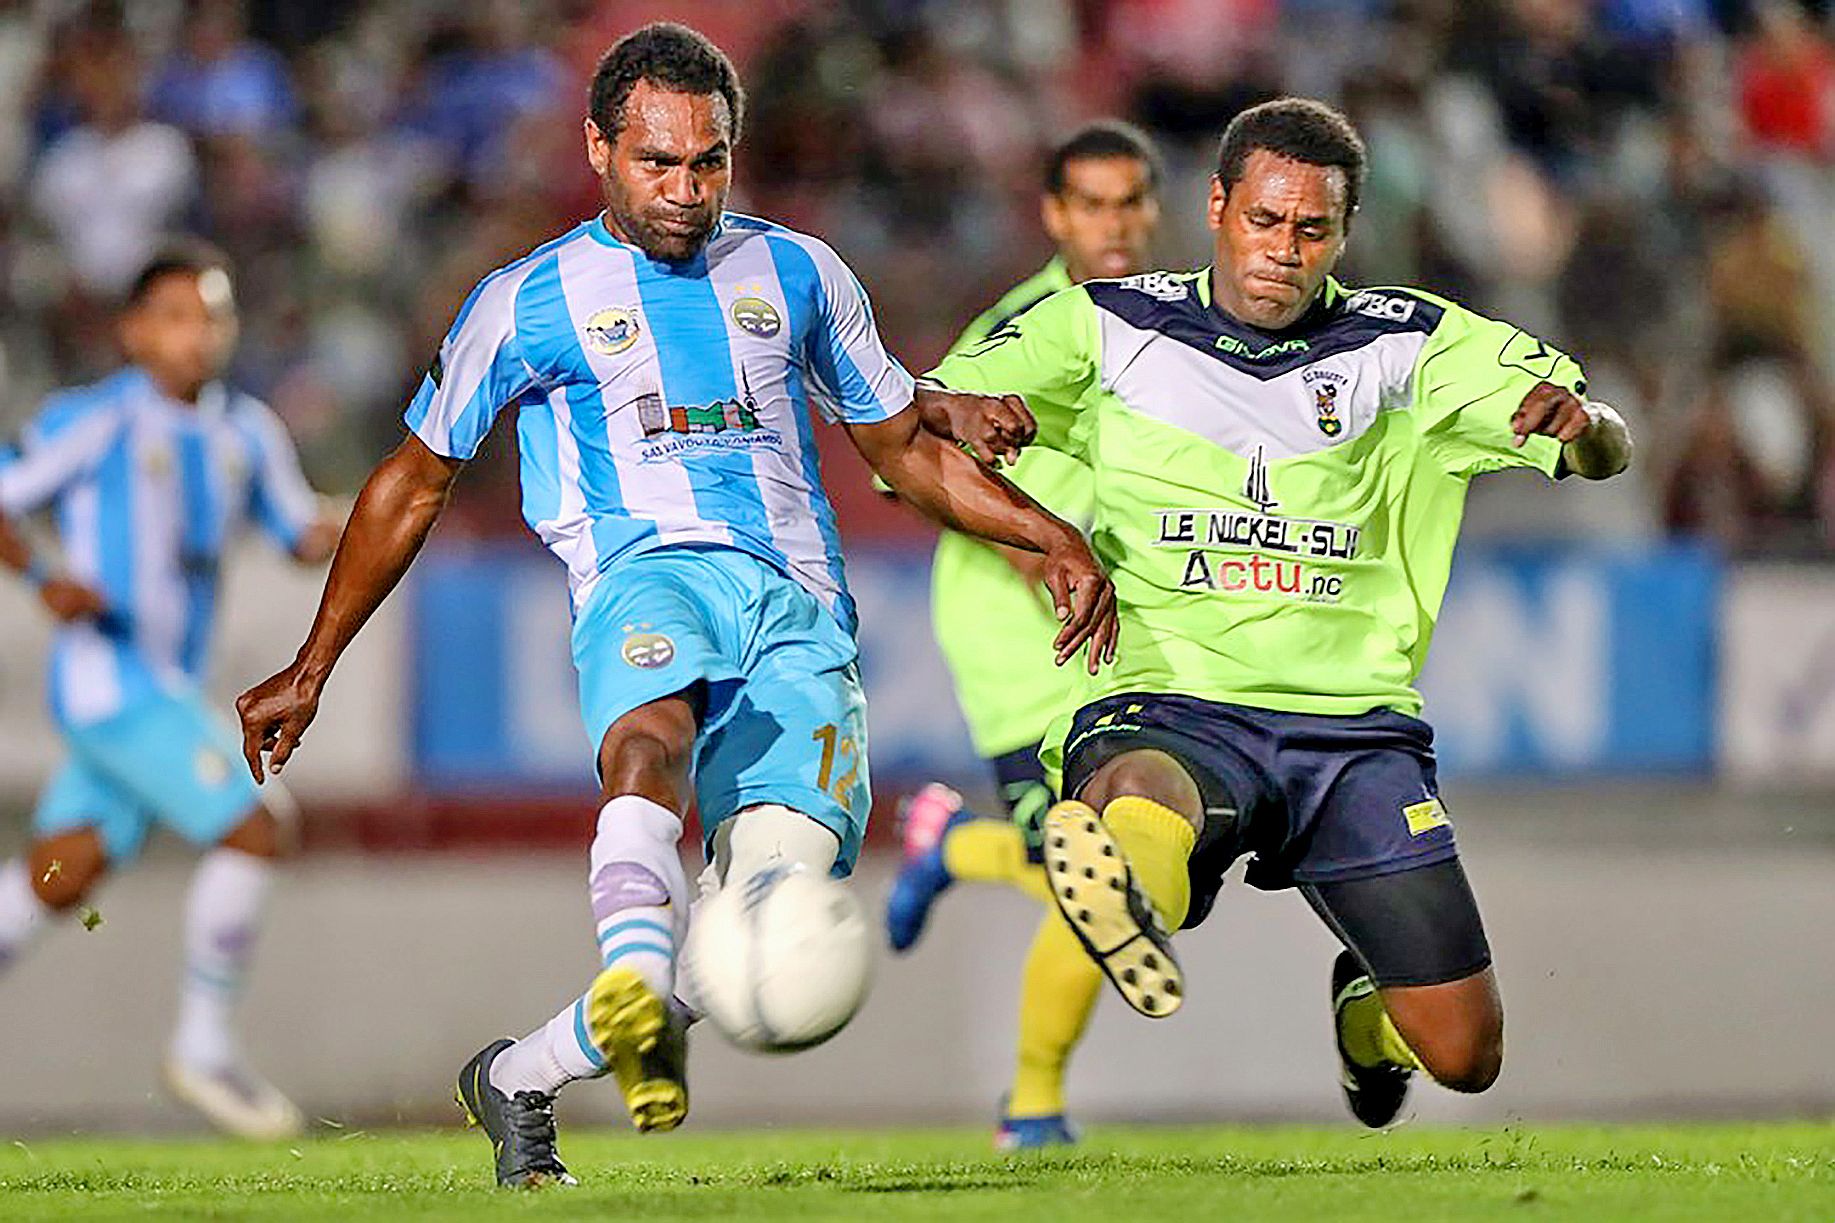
x,y
1115,858
51,877
1455,1030
1411,928
205,1066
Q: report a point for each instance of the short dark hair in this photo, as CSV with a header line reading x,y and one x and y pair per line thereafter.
x,y
1101,139
1301,128
190,256
668,55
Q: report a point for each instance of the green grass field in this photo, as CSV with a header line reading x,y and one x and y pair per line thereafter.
x,y
1722,1172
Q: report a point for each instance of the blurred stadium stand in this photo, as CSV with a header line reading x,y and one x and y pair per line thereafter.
x,y
1634,683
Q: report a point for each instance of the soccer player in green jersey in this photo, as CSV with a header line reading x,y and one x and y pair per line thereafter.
x,y
994,622
1280,467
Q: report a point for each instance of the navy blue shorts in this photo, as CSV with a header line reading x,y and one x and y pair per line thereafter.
x,y
1316,798
1025,791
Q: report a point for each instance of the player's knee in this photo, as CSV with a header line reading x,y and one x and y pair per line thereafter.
x,y
65,868
1468,1060
259,835
648,752
1146,774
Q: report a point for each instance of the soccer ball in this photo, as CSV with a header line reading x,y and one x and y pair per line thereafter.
x,y
782,960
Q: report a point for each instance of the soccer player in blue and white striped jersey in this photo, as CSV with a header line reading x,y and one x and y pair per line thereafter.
x,y
149,474
666,360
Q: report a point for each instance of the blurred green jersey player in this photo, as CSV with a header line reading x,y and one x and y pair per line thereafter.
x,y
1280,467
994,623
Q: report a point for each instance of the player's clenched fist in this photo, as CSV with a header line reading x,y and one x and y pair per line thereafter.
x,y
1594,441
275,713
1551,410
993,427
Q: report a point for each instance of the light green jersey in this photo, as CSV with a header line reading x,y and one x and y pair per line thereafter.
x,y
995,628
1278,509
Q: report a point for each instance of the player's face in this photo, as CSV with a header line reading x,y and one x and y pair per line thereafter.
x,y
1103,221
182,331
666,176
1280,231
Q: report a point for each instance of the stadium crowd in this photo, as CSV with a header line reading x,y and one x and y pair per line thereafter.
x,y
1649,183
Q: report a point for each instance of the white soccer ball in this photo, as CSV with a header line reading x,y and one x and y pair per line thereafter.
x,y
782,960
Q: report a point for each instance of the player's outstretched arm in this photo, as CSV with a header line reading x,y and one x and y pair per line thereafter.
x,y
398,506
1595,444
952,488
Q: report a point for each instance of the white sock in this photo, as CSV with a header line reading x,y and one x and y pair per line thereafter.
x,y
640,893
640,913
22,913
222,917
550,1057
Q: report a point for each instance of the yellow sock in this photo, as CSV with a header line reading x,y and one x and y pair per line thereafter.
x,y
1369,1035
985,851
1057,992
993,851
1158,843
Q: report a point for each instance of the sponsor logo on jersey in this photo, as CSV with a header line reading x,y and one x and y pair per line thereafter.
x,y
611,330
1233,530
1161,286
668,431
1228,548
1425,817
754,315
1389,307
1255,484
1325,384
645,650
1280,348
721,416
1288,578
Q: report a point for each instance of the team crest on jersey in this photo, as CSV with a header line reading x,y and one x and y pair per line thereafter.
x,y
1326,385
754,315
157,462
612,330
1161,286
646,650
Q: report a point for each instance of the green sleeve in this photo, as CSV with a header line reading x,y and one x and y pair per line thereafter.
x,y
977,331
1050,354
1469,381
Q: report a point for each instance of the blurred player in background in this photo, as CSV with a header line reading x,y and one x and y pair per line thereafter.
x,y
664,358
151,473
1280,468
993,620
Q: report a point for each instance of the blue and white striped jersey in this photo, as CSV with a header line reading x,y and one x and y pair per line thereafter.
x,y
146,494
668,403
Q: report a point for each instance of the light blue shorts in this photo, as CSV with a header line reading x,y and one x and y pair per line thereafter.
x,y
164,759
786,718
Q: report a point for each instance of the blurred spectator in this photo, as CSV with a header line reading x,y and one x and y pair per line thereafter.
x,y
484,73
1649,183
1787,84
219,82
110,187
